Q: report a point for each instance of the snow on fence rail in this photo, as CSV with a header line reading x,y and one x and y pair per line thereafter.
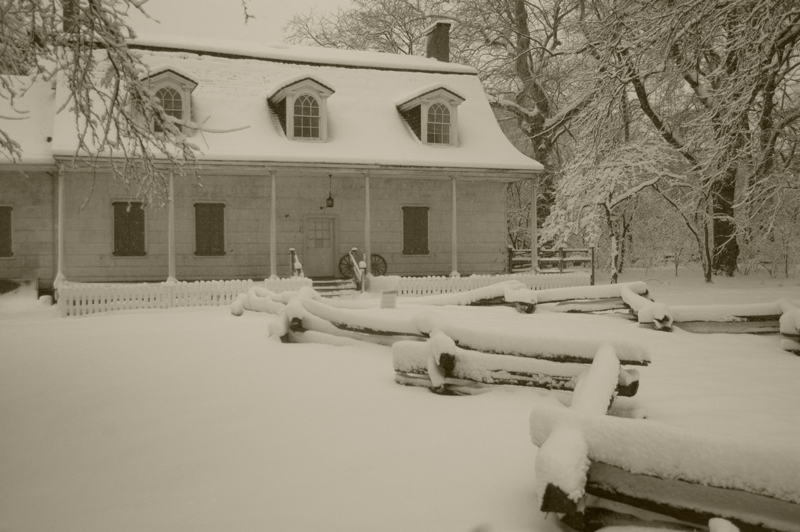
x,y
81,299
423,286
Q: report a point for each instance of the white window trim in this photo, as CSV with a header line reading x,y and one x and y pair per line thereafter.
x,y
322,101
438,95
424,107
184,87
310,87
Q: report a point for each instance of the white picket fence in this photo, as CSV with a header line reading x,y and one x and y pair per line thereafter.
x,y
423,286
82,299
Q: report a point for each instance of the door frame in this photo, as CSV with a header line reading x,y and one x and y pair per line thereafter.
x,y
334,238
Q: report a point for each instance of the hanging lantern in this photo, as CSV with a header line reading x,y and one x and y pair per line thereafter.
x,y
329,201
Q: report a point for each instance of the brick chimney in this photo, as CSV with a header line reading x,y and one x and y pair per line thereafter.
x,y
438,40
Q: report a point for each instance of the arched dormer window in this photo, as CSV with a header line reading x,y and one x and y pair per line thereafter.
x,y
172,102
301,106
173,89
438,124
306,117
432,115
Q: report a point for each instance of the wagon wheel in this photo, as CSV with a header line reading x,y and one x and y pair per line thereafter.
x,y
378,264
346,267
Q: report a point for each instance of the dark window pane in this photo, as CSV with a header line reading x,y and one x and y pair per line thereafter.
x,y
128,229
209,229
306,117
415,230
5,232
173,106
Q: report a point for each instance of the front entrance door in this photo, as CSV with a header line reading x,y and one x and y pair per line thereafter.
x,y
319,260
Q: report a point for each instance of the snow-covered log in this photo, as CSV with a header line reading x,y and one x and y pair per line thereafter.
x,y
755,318
790,318
605,291
647,312
688,476
306,322
563,458
542,344
386,322
454,364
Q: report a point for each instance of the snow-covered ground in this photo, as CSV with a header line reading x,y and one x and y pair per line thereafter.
x,y
196,420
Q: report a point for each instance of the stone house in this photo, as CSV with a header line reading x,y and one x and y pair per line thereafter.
x,y
313,149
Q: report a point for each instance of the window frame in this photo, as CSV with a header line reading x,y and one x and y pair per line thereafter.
x,y
224,230
141,206
282,101
169,86
425,101
294,117
449,125
409,251
10,231
168,78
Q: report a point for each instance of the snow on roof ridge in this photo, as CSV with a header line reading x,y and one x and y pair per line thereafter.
x,y
272,51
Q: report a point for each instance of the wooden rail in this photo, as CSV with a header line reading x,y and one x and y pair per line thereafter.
x,y
552,260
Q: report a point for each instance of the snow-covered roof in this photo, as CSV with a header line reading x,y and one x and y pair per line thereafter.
x,y
29,121
364,125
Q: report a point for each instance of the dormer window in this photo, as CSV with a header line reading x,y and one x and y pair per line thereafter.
x,y
306,117
172,103
432,115
173,90
301,106
438,124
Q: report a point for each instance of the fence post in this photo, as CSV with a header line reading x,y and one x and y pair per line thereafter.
x,y
561,256
591,282
510,251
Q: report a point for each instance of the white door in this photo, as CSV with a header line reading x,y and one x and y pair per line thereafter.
x,y
318,259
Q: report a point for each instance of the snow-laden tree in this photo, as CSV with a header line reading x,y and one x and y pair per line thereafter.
x,y
717,81
83,46
598,191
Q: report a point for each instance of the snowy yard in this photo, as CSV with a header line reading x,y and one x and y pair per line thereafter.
x,y
195,420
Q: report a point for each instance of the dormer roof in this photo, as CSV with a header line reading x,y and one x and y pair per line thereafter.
x,y
298,84
430,92
173,74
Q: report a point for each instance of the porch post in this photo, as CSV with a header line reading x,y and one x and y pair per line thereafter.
x,y
171,277
453,238
60,276
532,224
273,232
367,225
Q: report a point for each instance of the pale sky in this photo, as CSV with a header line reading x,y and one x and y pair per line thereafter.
x,y
224,19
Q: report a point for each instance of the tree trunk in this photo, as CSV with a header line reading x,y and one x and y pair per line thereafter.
x,y
726,249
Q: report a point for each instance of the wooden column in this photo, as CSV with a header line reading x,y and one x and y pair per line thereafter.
x,y
273,231
454,236
532,224
171,277
60,274
367,225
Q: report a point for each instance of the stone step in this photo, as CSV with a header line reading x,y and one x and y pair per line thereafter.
x,y
335,287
